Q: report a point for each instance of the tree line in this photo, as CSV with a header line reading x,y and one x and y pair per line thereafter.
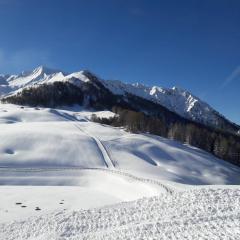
x,y
47,95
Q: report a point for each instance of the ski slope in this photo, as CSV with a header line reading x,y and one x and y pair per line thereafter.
x,y
65,177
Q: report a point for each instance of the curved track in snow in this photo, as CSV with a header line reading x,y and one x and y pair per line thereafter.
x,y
104,153
109,171
107,158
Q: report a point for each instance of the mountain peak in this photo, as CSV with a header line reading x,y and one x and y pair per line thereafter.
x,y
39,71
45,70
178,89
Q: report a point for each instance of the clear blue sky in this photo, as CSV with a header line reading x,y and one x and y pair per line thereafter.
x,y
187,43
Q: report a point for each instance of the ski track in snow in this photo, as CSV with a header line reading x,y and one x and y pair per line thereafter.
x,y
110,171
100,145
198,214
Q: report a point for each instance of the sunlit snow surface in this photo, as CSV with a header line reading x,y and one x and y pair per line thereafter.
x,y
40,137
55,162
199,214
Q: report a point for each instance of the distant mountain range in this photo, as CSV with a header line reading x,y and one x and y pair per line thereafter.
x,y
176,100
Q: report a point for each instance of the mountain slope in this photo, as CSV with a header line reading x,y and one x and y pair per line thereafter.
x,y
176,100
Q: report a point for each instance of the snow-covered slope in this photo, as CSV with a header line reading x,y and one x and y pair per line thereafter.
x,y
200,214
175,99
42,137
55,162
39,74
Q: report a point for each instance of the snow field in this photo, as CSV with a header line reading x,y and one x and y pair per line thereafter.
x,y
65,138
158,158
198,214
47,144
81,189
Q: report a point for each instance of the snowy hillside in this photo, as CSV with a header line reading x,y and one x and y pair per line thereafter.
x,y
174,99
65,177
66,138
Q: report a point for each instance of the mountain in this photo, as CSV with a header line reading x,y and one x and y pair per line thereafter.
x,y
26,78
175,99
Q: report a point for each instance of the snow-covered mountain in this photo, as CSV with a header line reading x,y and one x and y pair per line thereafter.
x,y
27,78
175,99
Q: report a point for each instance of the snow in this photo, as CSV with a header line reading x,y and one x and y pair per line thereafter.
x,y
169,160
45,147
79,188
82,175
44,144
200,214
49,199
42,137
40,75
26,78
